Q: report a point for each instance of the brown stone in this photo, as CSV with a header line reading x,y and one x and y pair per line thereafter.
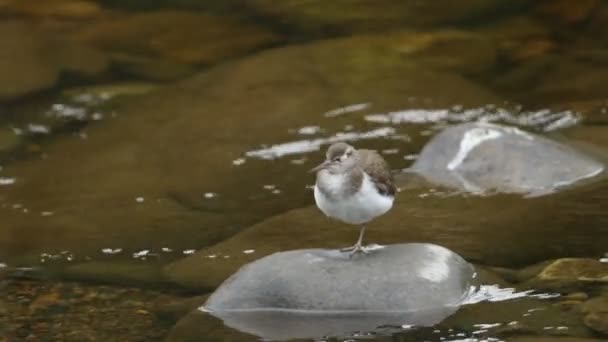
x,y
44,301
532,49
566,11
597,305
570,274
179,36
597,321
377,16
68,9
33,60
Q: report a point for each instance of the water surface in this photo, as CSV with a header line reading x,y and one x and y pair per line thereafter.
x,y
133,134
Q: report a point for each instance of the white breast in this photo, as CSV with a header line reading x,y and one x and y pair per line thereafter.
x,y
358,208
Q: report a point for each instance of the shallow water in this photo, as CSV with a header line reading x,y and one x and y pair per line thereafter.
x,y
167,141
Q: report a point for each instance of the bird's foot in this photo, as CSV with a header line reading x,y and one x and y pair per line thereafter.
x,y
353,250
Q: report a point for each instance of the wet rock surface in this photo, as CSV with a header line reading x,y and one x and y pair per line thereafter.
x,y
480,157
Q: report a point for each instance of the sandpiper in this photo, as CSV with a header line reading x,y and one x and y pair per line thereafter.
x,y
353,186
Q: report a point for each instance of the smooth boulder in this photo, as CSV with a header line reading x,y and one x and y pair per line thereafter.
x,y
482,157
315,292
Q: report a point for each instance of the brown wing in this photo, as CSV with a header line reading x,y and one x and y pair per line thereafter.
x,y
377,168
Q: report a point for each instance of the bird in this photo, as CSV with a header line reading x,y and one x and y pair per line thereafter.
x,y
353,186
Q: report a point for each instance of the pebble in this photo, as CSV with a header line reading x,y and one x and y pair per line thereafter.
x,y
47,311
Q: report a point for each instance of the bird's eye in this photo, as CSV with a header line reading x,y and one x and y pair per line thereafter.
x,y
336,159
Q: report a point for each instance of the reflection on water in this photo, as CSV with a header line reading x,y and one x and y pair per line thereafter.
x,y
545,120
287,325
133,134
279,325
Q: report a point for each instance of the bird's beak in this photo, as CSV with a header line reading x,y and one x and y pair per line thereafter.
x,y
323,165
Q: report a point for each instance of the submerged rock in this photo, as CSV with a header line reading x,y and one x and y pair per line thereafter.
x,y
32,60
108,91
126,186
116,273
365,16
565,12
70,9
596,311
198,325
9,140
463,52
173,309
571,274
314,293
178,36
571,78
598,321
157,69
483,157
524,314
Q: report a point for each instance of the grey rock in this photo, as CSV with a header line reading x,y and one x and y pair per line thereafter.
x,y
314,292
482,157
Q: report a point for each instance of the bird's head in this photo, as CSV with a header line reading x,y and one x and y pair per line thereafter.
x,y
340,157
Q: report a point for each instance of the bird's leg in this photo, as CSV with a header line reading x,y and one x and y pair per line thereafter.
x,y
358,247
